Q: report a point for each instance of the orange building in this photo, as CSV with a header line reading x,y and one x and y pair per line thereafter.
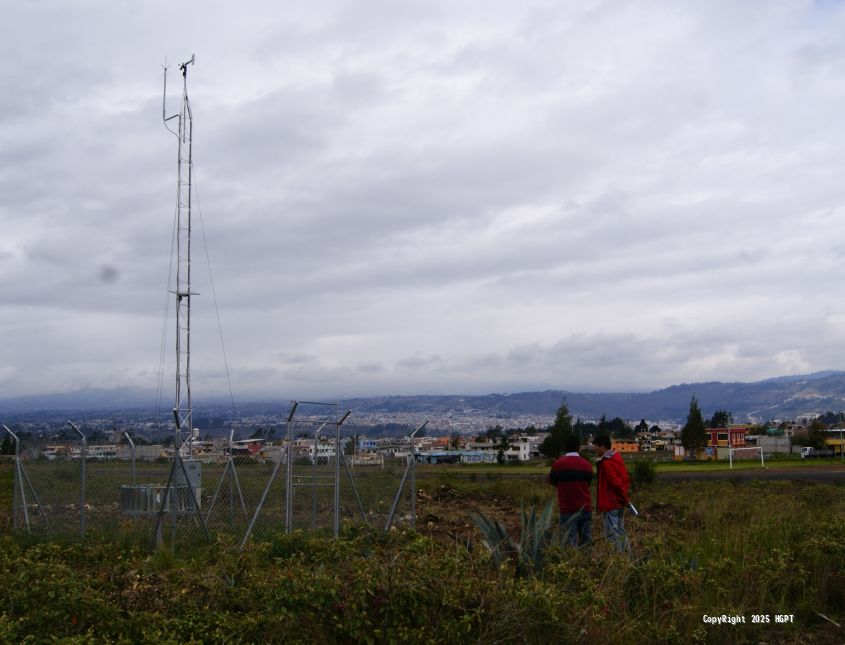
x,y
625,445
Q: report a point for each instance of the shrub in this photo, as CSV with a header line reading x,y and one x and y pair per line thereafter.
x,y
643,472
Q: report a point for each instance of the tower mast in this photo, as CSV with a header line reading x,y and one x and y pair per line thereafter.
x,y
182,409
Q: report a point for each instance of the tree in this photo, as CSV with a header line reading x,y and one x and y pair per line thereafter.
x,y
584,429
553,445
491,434
830,419
98,436
720,419
351,445
694,433
504,444
818,424
770,424
815,436
642,426
616,427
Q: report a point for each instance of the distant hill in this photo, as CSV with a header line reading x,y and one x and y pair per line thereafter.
x,y
85,399
784,397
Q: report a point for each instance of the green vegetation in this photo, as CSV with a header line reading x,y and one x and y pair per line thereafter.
x,y
694,432
644,472
616,428
700,548
662,461
537,533
6,492
552,445
720,419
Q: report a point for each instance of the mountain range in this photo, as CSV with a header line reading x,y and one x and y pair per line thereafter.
x,y
784,397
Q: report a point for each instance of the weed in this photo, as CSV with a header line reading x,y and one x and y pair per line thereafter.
x,y
644,473
699,548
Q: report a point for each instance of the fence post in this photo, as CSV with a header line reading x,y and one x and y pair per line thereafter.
x,y
23,478
314,460
413,485
409,470
289,471
82,457
231,493
414,477
337,473
134,484
18,483
132,445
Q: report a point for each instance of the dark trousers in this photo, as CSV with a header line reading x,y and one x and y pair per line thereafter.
x,y
579,531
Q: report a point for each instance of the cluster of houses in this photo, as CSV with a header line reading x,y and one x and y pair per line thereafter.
x,y
358,450
362,451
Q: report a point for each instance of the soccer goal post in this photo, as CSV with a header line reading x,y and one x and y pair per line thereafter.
x,y
731,452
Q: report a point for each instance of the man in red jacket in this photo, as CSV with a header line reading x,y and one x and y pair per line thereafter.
x,y
572,474
612,485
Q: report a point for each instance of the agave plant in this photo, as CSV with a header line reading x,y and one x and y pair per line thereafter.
x,y
496,538
536,532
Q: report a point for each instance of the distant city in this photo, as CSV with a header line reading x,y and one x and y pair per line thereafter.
x,y
787,398
494,427
250,419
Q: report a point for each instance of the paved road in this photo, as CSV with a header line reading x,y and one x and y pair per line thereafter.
x,y
806,474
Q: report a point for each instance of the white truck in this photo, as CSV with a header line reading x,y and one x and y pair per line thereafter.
x,y
808,452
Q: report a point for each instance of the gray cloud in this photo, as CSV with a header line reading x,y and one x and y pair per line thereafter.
x,y
418,361
432,198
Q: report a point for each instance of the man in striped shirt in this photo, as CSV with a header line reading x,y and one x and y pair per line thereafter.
x,y
572,474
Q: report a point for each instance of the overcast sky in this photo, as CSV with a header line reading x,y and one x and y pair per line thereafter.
x,y
425,197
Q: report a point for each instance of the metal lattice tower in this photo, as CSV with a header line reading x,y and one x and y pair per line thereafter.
x,y
182,409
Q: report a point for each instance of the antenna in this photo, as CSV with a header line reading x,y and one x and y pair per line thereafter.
x,y
182,409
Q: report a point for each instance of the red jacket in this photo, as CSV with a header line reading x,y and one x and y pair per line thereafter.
x,y
572,475
612,482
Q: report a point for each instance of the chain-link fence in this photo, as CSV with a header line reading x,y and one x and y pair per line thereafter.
x,y
320,476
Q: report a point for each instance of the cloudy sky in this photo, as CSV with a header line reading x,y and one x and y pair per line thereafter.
x,y
425,197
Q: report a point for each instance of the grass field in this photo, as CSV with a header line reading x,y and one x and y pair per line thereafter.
x,y
660,465
711,548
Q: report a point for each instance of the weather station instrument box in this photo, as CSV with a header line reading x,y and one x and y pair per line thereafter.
x,y
148,499
193,470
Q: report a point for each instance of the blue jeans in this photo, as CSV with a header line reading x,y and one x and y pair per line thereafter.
x,y
579,529
614,529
